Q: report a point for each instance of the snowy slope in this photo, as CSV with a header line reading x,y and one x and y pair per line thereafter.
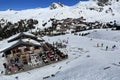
x,y
76,11
105,35
85,62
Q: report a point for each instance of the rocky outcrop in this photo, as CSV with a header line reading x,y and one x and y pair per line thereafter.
x,y
56,5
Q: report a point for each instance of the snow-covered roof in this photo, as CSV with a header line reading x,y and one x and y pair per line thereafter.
x,y
19,35
80,25
8,46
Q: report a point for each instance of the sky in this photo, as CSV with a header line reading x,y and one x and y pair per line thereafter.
x,y
29,4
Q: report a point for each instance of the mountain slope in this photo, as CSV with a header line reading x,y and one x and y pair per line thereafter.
x,y
88,9
86,61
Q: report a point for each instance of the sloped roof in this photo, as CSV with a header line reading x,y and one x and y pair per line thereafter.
x,y
26,34
13,44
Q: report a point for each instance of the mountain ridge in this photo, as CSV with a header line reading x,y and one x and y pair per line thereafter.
x,y
86,9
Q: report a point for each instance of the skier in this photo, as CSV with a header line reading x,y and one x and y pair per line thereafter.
x,y
102,45
53,44
5,65
91,39
114,46
16,78
106,48
97,44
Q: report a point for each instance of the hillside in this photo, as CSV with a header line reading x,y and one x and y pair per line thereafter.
x,y
90,57
86,61
88,9
105,35
58,18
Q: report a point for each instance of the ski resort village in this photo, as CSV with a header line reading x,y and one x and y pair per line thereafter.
x,y
60,42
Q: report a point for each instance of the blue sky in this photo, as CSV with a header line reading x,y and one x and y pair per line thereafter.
x,y
28,4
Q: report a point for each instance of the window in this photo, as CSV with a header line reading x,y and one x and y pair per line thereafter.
x,y
26,49
36,47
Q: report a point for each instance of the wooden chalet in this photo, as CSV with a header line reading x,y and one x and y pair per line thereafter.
x,y
25,51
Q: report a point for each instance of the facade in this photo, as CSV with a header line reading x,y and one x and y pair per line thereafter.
x,y
24,51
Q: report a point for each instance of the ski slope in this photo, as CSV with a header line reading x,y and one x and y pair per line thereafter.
x,y
86,61
105,35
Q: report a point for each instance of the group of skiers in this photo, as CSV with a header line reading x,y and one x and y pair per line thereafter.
x,y
106,47
60,43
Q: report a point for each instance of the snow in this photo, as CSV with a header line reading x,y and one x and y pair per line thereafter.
x,y
105,35
76,11
7,45
86,61
16,35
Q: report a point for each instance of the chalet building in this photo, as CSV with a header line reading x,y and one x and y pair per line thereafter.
x,y
24,51
79,27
